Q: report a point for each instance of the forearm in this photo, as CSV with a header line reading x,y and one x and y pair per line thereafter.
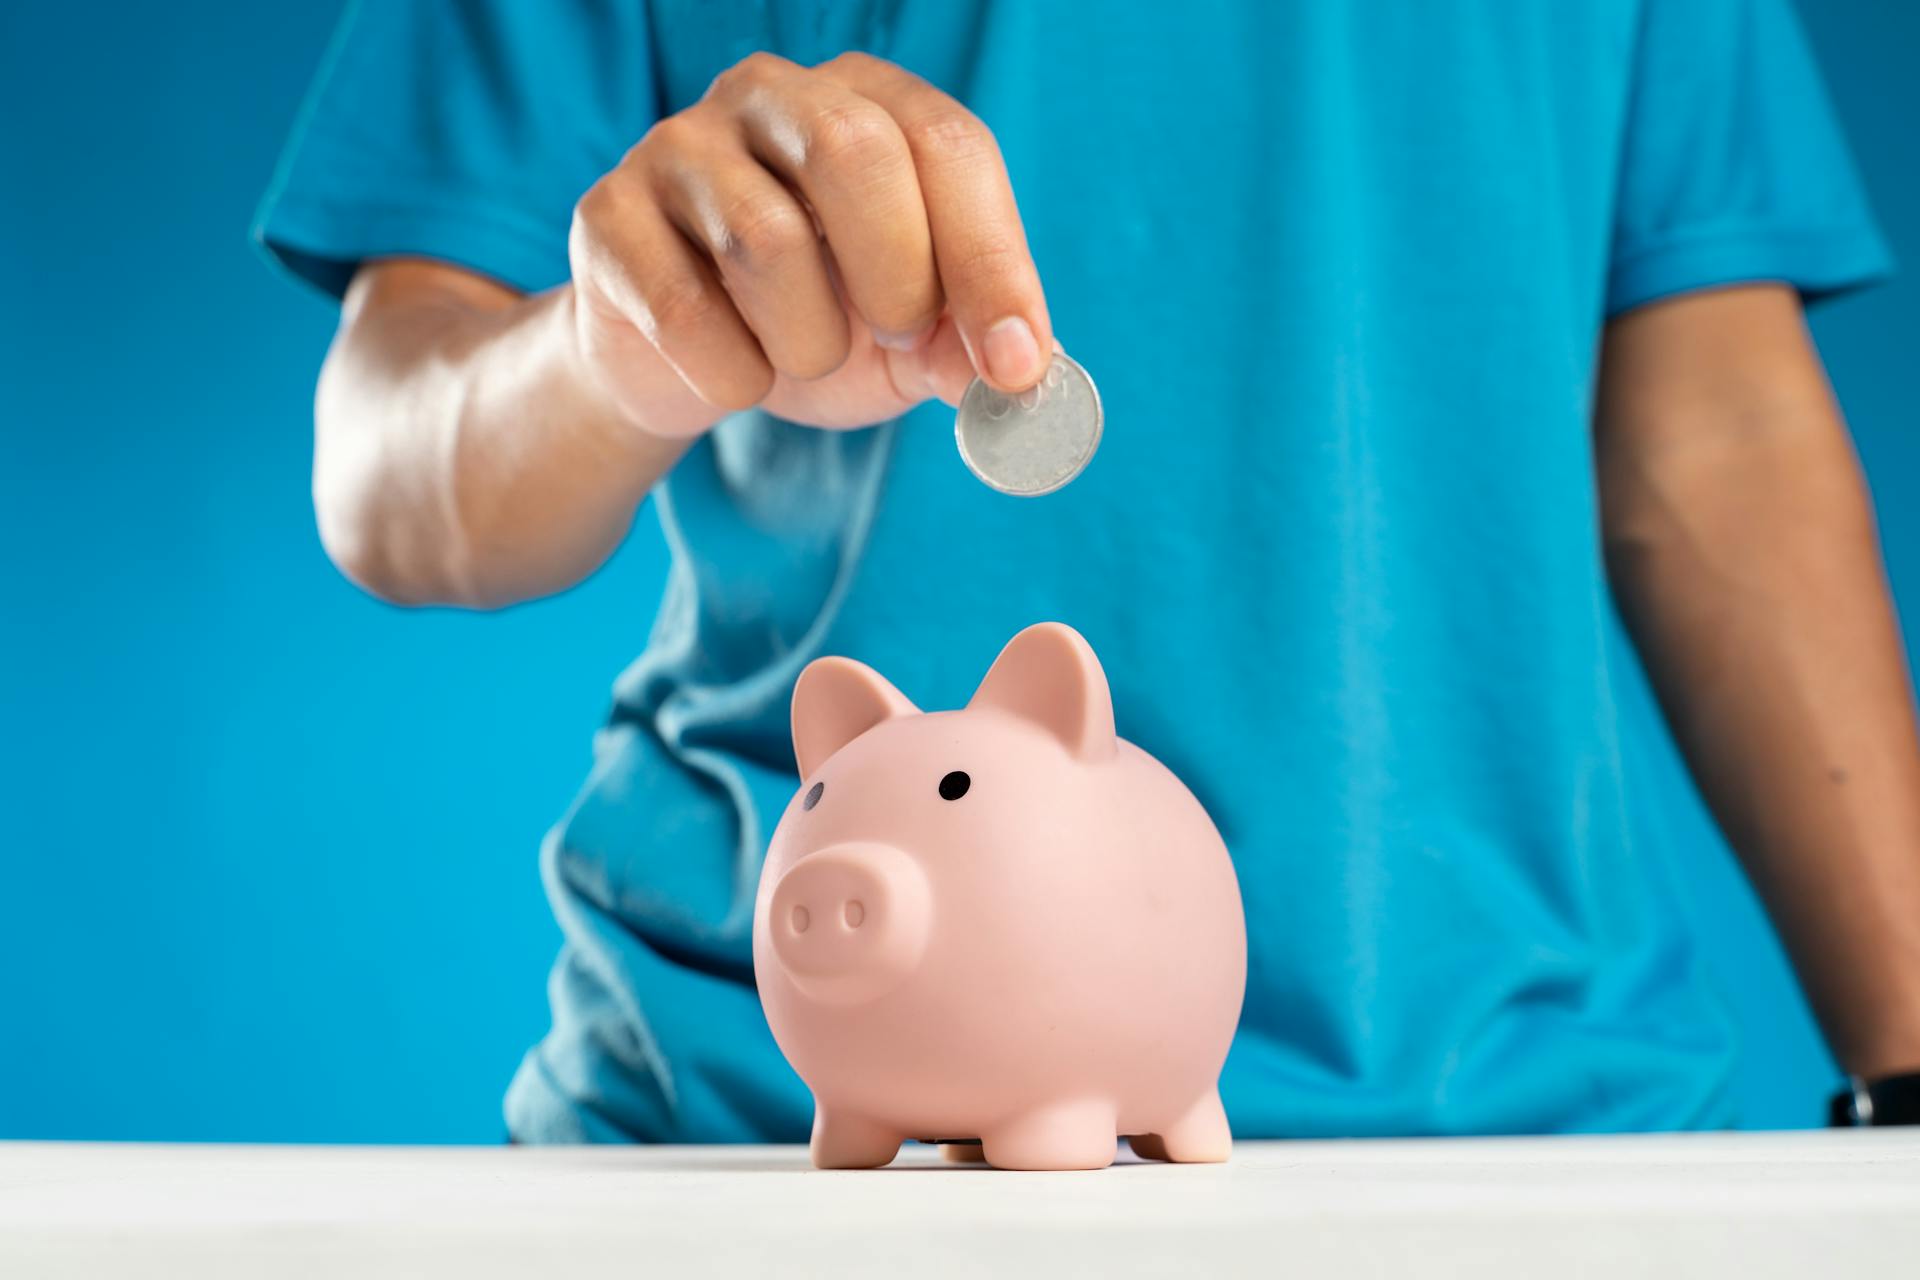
x,y
1744,558
463,455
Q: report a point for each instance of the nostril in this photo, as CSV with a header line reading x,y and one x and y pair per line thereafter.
x,y
843,926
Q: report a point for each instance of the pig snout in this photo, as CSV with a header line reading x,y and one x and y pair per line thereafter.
x,y
850,921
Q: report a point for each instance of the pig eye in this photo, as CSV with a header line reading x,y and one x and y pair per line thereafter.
x,y
954,785
814,793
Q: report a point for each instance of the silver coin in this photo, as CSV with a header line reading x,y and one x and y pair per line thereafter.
x,y
1034,442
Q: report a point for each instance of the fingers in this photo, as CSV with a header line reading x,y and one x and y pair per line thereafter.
x,y
628,258
991,285
845,155
769,257
753,233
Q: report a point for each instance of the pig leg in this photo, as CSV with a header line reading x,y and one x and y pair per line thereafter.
x,y
842,1140
1200,1136
1063,1135
962,1153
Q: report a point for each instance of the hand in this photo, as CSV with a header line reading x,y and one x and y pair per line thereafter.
x,y
835,244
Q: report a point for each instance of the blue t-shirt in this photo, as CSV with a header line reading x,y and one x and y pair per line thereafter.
x,y
1340,272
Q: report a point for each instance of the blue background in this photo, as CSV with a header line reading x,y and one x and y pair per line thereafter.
x,y
269,845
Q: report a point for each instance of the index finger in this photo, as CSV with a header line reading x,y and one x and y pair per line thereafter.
x,y
979,247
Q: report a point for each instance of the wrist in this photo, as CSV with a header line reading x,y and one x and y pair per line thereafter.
x,y
627,382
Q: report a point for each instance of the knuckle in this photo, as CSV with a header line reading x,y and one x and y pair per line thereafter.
x,y
952,134
604,201
854,135
676,304
854,60
758,231
755,69
668,135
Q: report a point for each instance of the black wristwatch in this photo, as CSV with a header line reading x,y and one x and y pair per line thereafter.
x,y
1888,1100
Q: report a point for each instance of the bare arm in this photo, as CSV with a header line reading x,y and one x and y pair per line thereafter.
x,y
463,454
836,244
1741,545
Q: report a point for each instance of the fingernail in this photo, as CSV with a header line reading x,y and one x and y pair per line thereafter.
x,y
893,340
1012,354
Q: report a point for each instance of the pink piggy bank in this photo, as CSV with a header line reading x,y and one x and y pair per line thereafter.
x,y
1000,924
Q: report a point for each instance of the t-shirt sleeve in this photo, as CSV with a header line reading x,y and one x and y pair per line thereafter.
x,y
463,130
1734,168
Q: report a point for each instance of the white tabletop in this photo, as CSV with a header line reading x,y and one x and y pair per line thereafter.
x,y
1821,1204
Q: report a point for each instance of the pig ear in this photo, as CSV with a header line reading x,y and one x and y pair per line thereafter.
x,y
835,701
1048,674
